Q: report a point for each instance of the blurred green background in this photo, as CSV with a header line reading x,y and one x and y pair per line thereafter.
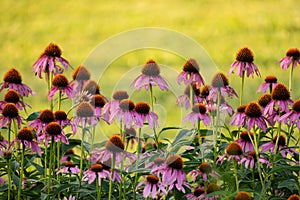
x,y
267,27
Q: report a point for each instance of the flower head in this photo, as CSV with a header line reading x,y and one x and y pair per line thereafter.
x,y
45,117
199,111
205,170
96,171
292,57
12,96
254,116
198,194
190,73
244,63
92,87
68,168
143,113
270,83
61,83
47,61
26,138
61,118
98,101
239,118
250,159
293,116
233,151
150,77
294,197
80,75
153,187
53,130
13,80
245,141
242,196
125,113
9,113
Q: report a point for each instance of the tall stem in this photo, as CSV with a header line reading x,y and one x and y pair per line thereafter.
x,y
200,141
81,156
291,76
152,109
50,166
137,163
21,171
242,88
236,176
9,166
218,126
98,188
112,171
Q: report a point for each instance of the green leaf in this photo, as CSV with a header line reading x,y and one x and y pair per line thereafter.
x,y
33,116
183,134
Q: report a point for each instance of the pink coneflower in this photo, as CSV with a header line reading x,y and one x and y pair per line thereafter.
x,y
244,63
67,156
80,75
47,61
69,168
198,194
173,174
243,196
61,118
212,187
98,101
9,113
239,118
293,116
91,87
143,113
84,116
53,129
26,138
245,141
12,96
292,57
45,117
270,83
284,150
280,98
199,112
61,83
190,73
184,100
82,96
125,113
220,83
150,77
204,170
250,159
157,166
234,151
96,171
13,80
153,187
254,117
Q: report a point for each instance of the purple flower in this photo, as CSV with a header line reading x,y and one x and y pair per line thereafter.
x,y
239,118
53,129
98,101
150,77
62,119
61,83
293,116
292,57
26,138
45,117
69,167
125,113
254,117
244,63
270,83
198,194
12,96
184,100
233,152
96,171
157,166
245,141
143,113
9,113
80,76
153,188
47,61
190,73
13,80
250,159
67,157
200,112
205,170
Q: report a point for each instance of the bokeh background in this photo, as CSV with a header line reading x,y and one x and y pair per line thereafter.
x,y
267,27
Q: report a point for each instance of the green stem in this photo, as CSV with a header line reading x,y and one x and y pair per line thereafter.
x,y
59,100
137,163
242,88
217,126
98,188
21,172
200,141
81,156
291,76
277,140
50,77
9,166
291,130
58,155
236,176
152,109
45,162
50,166
112,170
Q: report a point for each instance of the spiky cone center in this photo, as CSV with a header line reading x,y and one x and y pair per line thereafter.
x,y
205,168
175,162
52,50
96,167
12,76
142,108
293,52
60,81
106,164
130,133
212,187
120,95
98,100
81,73
53,129
191,66
127,105
294,197
60,115
92,87
253,110
220,80
10,110
244,136
241,109
151,68
70,164
85,109
199,108
281,140
12,96
271,79
296,106
245,55
115,144
205,91
280,92
25,134
264,100
152,179
198,192
234,149
46,116
158,161
242,196
253,155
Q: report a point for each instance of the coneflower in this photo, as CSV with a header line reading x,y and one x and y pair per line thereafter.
x,y
190,73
